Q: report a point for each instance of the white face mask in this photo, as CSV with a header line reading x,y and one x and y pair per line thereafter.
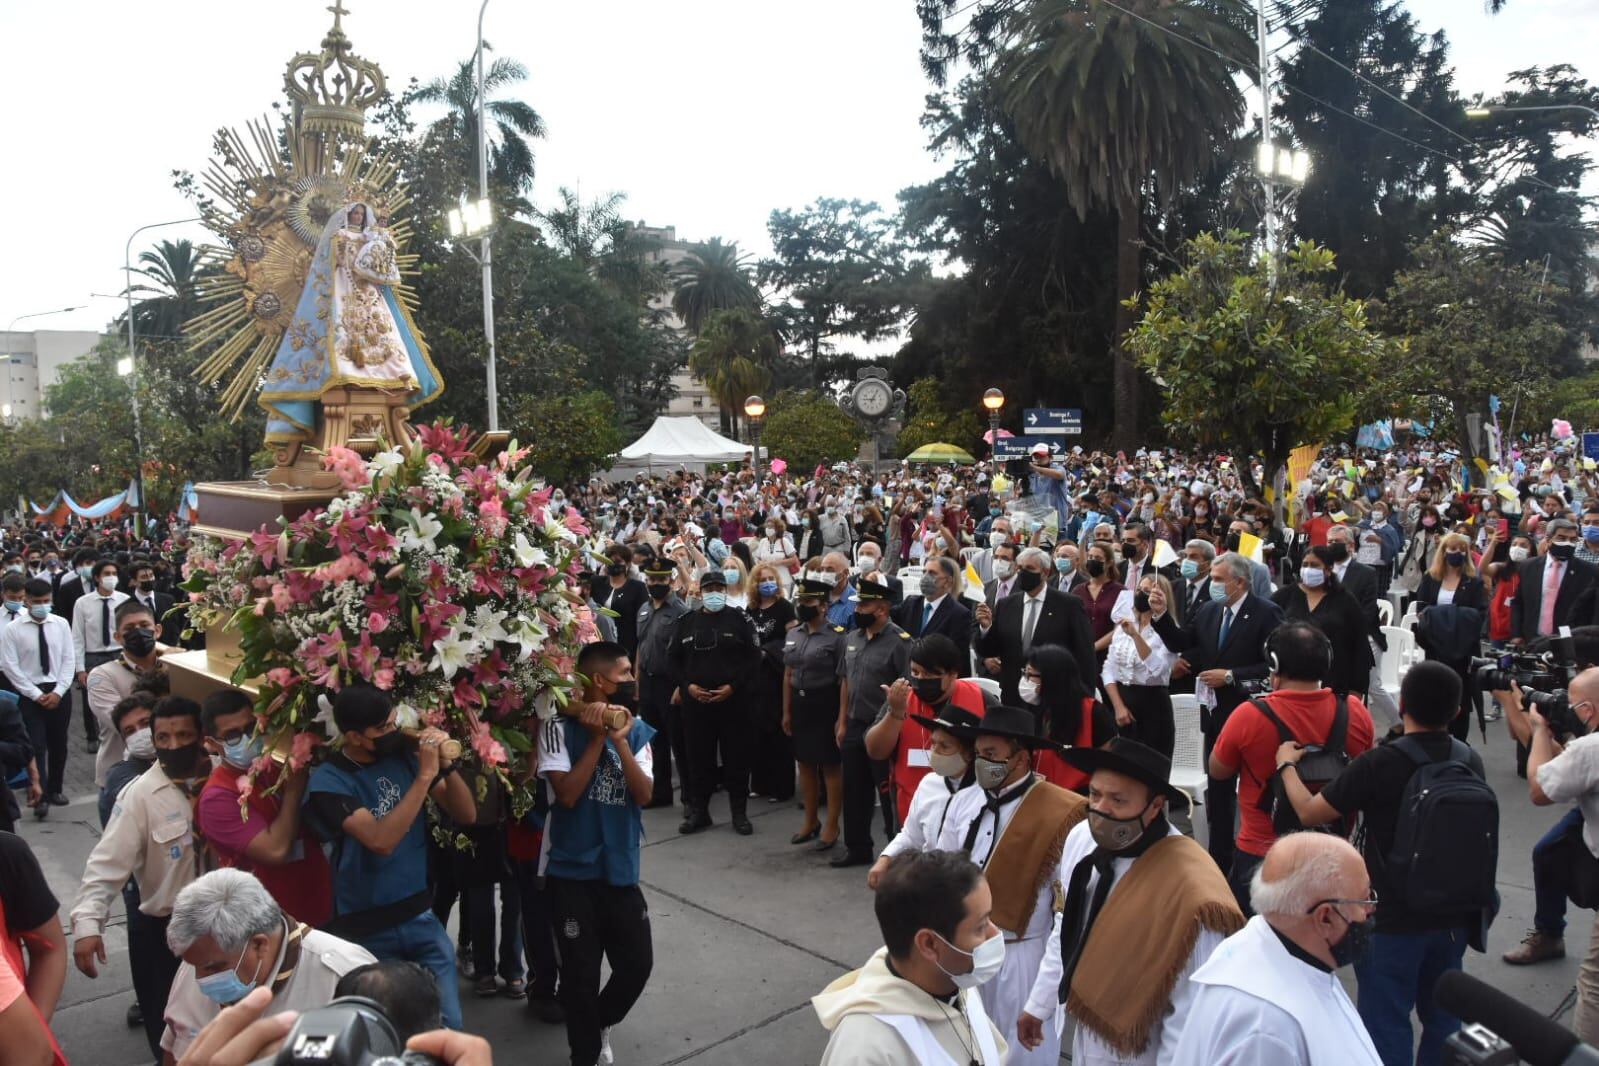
x,y
987,960
1003,568
141,745
997,537
1027,689
1518,554
1313,577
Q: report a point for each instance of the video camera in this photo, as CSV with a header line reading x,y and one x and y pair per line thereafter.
x,y
1542,676
1020,472
1500,1031
350,1031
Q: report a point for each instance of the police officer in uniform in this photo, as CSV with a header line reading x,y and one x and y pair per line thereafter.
x,y
714,658
876,654
811,708
657,621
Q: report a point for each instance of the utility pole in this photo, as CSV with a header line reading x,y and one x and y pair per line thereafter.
x,y
1267,150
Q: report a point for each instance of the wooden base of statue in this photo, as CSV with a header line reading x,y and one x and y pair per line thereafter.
x,y
363,420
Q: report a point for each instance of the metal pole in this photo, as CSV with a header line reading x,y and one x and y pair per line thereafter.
x,y
133,375
1270,200
488,254
755,455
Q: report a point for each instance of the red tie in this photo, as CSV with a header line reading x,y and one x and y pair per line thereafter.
x,y
1551,592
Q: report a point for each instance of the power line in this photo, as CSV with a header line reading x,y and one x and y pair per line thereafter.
x,y
1401,102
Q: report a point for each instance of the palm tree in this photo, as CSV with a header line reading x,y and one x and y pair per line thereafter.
x,y
510,155
734,356
174,267
714,277
1117,107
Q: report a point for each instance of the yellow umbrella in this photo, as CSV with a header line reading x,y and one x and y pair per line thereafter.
x,y
941,453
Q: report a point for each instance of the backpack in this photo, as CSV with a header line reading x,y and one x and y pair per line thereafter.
x,y
1445,854
1317,767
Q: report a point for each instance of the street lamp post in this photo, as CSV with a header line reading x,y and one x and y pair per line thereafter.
x,y
993,400
755,410
1494,109
8,408
132,371
483,207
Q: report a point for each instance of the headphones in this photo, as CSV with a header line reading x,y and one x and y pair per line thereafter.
x,y
1323,644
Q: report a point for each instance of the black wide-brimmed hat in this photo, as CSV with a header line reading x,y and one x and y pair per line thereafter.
x,y
957,720
1012,723
1138,761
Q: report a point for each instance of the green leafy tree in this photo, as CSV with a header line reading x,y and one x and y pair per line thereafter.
x,y
572,435
514,121
842,271
806,427
161,308
1253,364
733,355
1474,325
714,277
1119,108
928,420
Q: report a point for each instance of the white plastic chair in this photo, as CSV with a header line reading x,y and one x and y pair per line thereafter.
x,y
1401,654
968,553
910,577
1408,623
987,684
1385,613
1188,754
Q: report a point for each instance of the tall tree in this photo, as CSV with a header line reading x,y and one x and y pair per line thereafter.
x,y
1120,104
514,121
161,308
733,355
715,276
842,272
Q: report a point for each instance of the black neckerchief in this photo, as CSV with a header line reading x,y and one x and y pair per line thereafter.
x,y
1080,913
1300,953
996,802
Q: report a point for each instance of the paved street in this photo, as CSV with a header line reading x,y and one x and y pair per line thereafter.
x,y
746,930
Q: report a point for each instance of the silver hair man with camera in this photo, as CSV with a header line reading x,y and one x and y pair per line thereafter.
x,y
1568,773
233,938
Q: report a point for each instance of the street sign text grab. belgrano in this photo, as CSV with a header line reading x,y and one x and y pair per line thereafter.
x,y
1059,421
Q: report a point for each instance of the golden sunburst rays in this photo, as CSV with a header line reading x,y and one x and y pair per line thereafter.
x,y
272,191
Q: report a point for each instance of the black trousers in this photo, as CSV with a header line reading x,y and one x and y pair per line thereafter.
x,y
593,921
860,789
655,707
153,967
1152,716
1221,797
538,937
772,754
707,728
47,732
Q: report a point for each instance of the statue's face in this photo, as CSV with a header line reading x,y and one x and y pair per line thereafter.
x,y
358,217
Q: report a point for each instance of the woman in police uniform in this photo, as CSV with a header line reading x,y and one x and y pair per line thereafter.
x,y
811,656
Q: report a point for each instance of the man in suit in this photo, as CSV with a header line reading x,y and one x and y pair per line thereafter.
x,y
1004,582
1193,585
168,630
1032,615
1551,585
937,608
999,535
1138,557
1259,573
1361,582
1224,645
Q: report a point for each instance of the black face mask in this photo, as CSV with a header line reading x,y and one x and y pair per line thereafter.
x,y
660,592
930,690
864,620
147,586
626,692
1232,542
1355,942
389,744
1028,580
1563,552
807,612
616,569
180,762
1140,601
1337,552
1095,567
139,642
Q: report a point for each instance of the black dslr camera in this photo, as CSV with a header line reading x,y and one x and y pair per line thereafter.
x,y
1543,673
350,1031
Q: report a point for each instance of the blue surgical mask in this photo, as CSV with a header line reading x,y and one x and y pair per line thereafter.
x,y
243,751
767,588
1218,591
1064,566
39,611
85,575
730,576
1190,569
714,601
225,987
14,606
1590,533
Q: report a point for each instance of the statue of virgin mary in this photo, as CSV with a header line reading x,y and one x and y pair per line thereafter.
x,y
351,338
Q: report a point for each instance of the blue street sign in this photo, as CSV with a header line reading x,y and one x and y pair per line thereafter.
x,y
1590,446
1022,447
1055,421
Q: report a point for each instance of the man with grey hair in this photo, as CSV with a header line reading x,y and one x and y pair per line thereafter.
x,y
1035,614
233,938
936,606
1550,585
1270,992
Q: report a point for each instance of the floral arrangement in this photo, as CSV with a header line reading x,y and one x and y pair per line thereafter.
x,y
443,579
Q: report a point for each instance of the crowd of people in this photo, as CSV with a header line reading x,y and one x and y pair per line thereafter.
x,y
990,666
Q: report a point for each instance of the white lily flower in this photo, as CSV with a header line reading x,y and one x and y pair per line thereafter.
x,y
407,716
488,624
452,654
527,554
420,532
384,463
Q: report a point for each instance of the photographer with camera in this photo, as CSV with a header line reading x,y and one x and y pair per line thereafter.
x,y
1562,773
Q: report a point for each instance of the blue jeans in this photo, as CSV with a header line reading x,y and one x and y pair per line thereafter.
x,y
423,940
1549,879
1397,973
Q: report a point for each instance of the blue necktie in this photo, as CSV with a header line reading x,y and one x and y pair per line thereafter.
x,y
927,616
1226,624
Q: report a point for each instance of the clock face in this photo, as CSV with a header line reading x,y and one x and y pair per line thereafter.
x,y
872,397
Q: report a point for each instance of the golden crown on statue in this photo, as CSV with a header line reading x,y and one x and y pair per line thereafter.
x,y
332,89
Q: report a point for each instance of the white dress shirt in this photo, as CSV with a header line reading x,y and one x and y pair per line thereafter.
x,y
19,656
88,624
1123,666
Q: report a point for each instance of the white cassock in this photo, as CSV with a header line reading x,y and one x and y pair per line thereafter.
x,y
1006,994
925,818
1087,1048
1257,1005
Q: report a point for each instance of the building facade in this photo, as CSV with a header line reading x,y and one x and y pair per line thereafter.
x,y
690,397
33,363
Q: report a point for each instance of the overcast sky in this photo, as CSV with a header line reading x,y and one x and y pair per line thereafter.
x,y
706,113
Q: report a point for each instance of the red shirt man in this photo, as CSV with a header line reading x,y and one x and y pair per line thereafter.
x,y
935,682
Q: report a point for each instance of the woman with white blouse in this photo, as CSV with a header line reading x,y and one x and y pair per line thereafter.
x,y
775,546
1137,670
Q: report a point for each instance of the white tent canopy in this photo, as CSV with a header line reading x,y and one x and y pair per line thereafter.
x,y
680,442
